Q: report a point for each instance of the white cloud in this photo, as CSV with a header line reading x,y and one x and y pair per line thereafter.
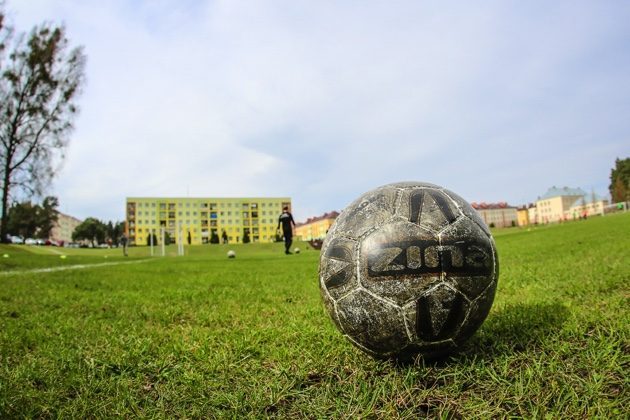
x,y
323,101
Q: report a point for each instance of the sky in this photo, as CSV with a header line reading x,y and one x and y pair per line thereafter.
x,y
322,101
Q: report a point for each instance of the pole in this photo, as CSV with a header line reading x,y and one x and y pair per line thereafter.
x,y
180,242
151,240
163,245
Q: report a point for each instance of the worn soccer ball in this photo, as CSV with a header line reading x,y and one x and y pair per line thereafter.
x,y
231,254
408,269
296,250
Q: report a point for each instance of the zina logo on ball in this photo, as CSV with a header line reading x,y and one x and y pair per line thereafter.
x,y
408,269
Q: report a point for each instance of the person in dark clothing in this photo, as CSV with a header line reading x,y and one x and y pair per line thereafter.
x,y
123,242
286,220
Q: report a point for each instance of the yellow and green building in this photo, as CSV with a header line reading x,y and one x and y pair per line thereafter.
x,y
202,218
315,227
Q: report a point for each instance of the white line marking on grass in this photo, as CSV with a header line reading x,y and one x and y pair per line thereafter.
x,y
70,267
53,251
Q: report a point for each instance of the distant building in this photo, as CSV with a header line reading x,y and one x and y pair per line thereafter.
x,y
497,214
587,206
201,218
523,215
554,205
63,228
315,227
532,214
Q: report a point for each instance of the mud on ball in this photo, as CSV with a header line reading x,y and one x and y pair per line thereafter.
x,y
408,269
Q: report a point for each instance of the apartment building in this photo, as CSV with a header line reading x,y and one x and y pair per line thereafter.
x,y
315,227
202,219
555,204
523,215
497,214
64,227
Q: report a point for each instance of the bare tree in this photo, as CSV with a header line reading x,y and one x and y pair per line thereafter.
x,y
40,80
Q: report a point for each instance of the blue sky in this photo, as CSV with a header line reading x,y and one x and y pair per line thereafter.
x,y
322,101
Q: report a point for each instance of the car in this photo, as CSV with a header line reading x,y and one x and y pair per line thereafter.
x,y
40,242
17,240
30,241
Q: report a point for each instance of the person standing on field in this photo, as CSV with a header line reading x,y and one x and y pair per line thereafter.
x,y
286,220
123,242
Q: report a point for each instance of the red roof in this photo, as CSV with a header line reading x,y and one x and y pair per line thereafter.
x,y
490,206
330,215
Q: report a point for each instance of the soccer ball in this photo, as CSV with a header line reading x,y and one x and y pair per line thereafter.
x,y
231,254
296,250
407,269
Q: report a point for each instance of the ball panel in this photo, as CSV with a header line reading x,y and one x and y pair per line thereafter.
x,y
369,210
337,267
472,259
479,310
397,263
468,211
440,314
329,304
372,322
428,207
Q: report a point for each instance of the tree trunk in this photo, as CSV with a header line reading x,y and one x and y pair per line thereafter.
x,y
5,203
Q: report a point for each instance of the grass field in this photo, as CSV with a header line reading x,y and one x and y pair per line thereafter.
x,y
204,336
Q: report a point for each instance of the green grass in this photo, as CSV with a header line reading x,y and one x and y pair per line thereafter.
x,y
204,336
